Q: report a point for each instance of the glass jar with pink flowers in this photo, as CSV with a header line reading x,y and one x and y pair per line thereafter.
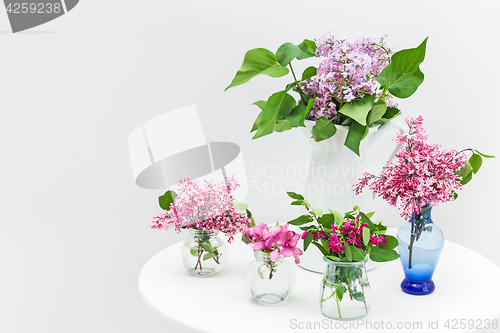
x,y
346,241
270,278
206,209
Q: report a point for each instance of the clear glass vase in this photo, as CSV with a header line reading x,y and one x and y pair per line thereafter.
x,y
203,253
269,282
345,290
420,245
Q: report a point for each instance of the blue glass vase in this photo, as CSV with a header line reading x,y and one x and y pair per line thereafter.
x,y
420,245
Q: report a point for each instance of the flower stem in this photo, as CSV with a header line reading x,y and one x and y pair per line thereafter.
x,y
296,81
338,305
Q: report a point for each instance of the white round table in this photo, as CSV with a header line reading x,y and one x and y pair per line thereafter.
x,y
466,299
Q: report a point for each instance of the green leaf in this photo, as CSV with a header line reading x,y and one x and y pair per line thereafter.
x,y
380,255
326,220
288,51
348,253
295,196
339,218
194,252
402,75
323,129
391,242
377,112
389,114
366,236
208,256
475,162
259,270
167,199
283,125
303,219
317,211
240,205
261,104
308,240
340,290
258,61
308,46
309,72
324,251
358,296
297,203
465,171
298,114
279,103
257,122
356,133
358,109
356,253
370,214
333,258
484,155
466,179
208,247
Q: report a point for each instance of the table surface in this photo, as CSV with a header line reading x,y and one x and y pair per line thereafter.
x,y
467,297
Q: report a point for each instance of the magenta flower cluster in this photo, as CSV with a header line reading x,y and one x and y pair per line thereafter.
x,y
421,174
348,71
208,206
275,240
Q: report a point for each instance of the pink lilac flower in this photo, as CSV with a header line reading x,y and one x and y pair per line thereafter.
x,y
421,174
348,71
276,240
207,207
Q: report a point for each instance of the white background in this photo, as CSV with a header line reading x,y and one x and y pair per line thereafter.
x,y
74,226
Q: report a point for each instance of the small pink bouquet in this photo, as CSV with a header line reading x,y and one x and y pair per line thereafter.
x,y
205,206
206,209
276,241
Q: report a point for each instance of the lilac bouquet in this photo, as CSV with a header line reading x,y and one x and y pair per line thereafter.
x,y
353,86
208,206
206,209
423,174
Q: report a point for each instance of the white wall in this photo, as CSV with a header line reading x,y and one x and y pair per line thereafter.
x,y
75,229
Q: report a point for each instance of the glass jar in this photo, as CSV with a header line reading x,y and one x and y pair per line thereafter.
x,y
203,253
420,245
269,282
345,290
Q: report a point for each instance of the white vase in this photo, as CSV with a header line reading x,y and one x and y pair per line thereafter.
x,y
333,171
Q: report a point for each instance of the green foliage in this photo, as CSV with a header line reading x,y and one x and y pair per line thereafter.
x,y
309,72
167,199
288,51
403,75
323,129
308,240
240,205
278,104
301,220
380,255
356,133
298,114
258,61
471,167
358,109
295,196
